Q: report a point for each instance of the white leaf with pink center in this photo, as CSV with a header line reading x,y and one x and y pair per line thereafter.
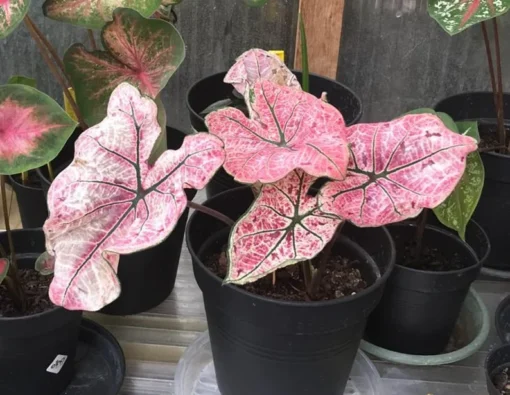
x,y
110,201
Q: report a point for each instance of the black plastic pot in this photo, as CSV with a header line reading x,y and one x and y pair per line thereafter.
x,y
418,310
493,211
212,89
30,345
503,320
31,203
271,347
148,277
497,360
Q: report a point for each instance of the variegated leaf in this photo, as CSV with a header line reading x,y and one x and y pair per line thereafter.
x,y
283,226
397,168
111,201
456,15
293,130
4,268
93,14
12,13
143,52
45,264
33,128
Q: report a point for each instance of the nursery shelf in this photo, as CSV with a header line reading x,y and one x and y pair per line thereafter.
x,y
154,341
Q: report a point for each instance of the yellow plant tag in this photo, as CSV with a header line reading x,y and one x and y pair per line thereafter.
x,y
67,105
280,53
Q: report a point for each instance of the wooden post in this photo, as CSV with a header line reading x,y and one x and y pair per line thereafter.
x,y
323,23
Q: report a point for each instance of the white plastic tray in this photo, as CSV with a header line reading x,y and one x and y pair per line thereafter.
x,y
195,373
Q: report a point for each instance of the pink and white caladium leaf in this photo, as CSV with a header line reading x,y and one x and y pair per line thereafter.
x,y
33,129
45,264
12,13
294,130
455,16
397,168
283,226
4,268
144,52
111,201
94,14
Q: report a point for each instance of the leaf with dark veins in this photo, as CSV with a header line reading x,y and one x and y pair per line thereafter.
x,y
110,201
293,130
283,226
12,13
143,52
4,268
397,168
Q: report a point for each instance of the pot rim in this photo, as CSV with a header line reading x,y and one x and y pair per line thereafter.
x,y
358,99
441,359
380,281
448,235
504,303
487,360
13,180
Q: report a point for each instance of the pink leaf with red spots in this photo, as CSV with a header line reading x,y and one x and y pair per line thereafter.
x,y
33,128
45,264
143,52
397,168
293,130
93,14
12,13
4,268
283,226
110,201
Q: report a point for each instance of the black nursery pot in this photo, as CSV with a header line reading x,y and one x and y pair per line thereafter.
x,y
493,211
418,310
212,89
271,347
148,277
496,362
29,345
31,202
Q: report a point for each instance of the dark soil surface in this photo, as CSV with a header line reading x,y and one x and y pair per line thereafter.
x,y
431,259
501,381
340,279
36,290
489,137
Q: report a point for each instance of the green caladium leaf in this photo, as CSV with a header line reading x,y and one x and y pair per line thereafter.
x,y
456,211
94,14
143,52
4,268
22,80
455,16
12,13
33,129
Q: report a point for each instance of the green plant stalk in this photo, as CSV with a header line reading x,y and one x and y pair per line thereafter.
x,y
501,107
213,213
24,178
51,173
304,55
418,237
306,267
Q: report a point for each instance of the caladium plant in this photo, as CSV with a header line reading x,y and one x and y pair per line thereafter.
x,y
12,13
111,201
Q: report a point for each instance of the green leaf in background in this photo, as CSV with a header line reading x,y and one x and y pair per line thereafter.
x,y
304,55
22,80
456,211
12,13
94,14
455,16
4,268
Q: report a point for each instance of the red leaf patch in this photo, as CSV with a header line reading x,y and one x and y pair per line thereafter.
x,y
110,201
4,268
397,168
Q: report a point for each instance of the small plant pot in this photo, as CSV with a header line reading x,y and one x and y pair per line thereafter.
x,y
31,202
419,308
497,361
492,212
271,347
30,345
212,89
147,277
470,333
503,320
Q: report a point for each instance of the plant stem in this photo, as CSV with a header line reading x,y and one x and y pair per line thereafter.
x,y
24,178
420,230
306,267
92,40
51,65
51,174
213,213
304,55
490,149
501,104
491,63
5,209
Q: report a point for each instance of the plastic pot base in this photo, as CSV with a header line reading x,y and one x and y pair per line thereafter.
x,y
195,373
474,322
99,364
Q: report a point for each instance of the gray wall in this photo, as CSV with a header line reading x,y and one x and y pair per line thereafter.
x,y
397,58
215,32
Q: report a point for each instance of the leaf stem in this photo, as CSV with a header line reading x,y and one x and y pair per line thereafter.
x,y
213,213
304,55
24,178
501,106
51,173
306,267
92,39
420,230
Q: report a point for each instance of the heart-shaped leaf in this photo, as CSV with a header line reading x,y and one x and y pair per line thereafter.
x,y
456,211
94,14
293,130
12,13
33,128
397,168
456,15
283,226
22,80
143,52
111,201
4,268
45,264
